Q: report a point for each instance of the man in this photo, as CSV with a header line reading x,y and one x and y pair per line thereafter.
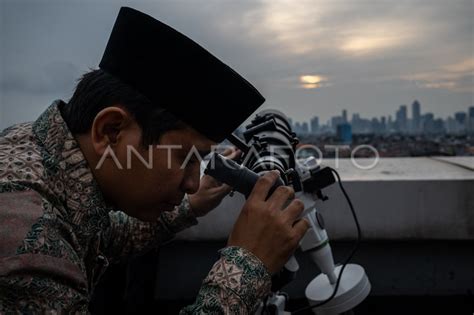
x,y
107,176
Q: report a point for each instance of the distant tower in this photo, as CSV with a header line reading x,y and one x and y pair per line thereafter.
x,y
471,119
315,125
304,128
344,116
344,133
383,124
416,116
428,123
460,118
401,118
297,127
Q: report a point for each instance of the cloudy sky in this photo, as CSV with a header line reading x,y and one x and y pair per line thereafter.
x,y
306,57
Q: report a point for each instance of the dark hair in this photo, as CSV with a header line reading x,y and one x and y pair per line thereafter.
x,y
97,90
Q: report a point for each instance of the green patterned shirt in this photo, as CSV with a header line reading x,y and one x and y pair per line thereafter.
x,y
58,235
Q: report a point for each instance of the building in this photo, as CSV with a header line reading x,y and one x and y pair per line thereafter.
x,y
335,121
344,133
401,119
428,125
460,117
304,128
314,125
471,119
383,124
344,116
416,116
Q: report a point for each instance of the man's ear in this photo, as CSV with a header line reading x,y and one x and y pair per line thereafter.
x,y
108,127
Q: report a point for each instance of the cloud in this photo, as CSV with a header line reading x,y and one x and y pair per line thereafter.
x,y
373,54
377,37
352,41
457,77
464,66
341,27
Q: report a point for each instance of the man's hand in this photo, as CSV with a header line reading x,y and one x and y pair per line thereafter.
x,y
211,192
266,229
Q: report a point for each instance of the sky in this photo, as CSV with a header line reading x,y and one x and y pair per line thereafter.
x,y
308,58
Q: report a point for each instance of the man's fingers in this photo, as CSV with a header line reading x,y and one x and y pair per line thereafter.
x,y
228,151
280,196
264,184
293,211
300,227
222,189
232,153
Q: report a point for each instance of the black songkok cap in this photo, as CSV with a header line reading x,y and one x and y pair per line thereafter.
x,y
177,74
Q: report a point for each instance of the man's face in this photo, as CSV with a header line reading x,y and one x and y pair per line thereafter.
x,y
154,179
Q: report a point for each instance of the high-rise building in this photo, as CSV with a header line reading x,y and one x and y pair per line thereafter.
x,y
335,121
451,125
344,116
314,125
471,119
390,123
416,116
305,128
383,124
344,133
471,112
375,126
401,118
297,127
460,117
355,122
461,121
428,123
438,126
355,117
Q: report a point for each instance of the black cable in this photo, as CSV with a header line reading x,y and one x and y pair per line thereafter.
x,y
354,249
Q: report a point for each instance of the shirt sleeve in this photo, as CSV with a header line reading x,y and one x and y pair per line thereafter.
x,y
236,284
127,236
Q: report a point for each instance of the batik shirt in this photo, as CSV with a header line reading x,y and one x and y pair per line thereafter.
x,y
58,234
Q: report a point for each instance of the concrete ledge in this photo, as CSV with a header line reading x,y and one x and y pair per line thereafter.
x,y
400,199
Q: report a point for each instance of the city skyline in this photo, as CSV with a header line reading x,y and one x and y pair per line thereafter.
x,y
393,114
418,121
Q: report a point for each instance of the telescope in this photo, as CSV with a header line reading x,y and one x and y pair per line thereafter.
x,y
270,144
